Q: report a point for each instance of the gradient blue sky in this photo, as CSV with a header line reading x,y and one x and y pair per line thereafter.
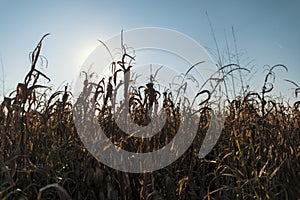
x,y
269,31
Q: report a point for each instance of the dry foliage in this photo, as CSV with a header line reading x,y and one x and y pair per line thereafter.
x,y
42,157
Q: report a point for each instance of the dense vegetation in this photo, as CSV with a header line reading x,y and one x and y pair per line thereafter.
x,y
42,157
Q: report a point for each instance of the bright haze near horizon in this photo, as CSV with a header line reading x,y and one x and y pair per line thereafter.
x,y
267,32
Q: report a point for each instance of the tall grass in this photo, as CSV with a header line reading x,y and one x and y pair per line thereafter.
x,y
42,157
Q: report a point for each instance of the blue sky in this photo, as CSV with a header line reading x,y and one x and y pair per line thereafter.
x,y
269,31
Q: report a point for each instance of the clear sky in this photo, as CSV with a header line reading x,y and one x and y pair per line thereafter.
x,y
269,31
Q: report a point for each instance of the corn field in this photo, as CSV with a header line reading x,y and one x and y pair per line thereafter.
x,y
42,157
